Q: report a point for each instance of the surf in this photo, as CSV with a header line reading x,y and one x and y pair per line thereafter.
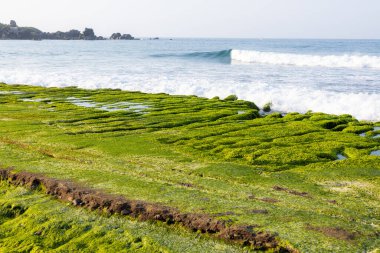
x,y
306,60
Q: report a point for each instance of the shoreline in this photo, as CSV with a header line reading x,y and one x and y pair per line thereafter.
x,y
290,77
262,112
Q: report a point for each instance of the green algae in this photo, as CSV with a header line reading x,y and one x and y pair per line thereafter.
x,y
33,222
204,155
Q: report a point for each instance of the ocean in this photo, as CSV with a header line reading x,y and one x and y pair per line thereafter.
x,y
331,76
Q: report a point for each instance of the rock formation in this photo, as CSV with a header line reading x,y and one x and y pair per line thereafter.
x,y
14,32
89,34
118,36
13,23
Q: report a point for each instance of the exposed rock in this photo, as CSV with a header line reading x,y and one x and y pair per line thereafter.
x,y
13,32
13,23
126,37
70,35
118,36
89,34
74,34
115,36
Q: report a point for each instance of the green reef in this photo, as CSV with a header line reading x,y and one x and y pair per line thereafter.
x,y
311,179
33,222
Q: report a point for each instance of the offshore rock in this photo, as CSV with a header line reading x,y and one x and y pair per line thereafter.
x,y
89,34
13,23
115,36
118,36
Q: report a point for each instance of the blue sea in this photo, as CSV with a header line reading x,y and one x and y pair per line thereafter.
x,y
332,76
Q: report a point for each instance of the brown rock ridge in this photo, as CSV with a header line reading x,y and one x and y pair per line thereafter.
x,y
96,200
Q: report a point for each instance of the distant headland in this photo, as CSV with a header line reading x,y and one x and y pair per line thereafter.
x,y
14,32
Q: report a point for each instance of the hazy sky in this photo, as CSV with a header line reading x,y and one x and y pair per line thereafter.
x,y
202,18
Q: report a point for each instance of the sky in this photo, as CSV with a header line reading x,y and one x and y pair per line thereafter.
x,y
345,19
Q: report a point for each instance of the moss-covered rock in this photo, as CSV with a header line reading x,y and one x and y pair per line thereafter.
x,y
267,107
231,98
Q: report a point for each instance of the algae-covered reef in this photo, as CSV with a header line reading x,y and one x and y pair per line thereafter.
x,y
310,180
110,204
34,222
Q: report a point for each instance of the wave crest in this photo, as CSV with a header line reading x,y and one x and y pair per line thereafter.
x,y
222,56
306,60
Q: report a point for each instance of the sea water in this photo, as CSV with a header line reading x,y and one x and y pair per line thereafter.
x,y
331,76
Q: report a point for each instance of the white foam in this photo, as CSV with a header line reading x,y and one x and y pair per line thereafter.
x,y
364,106
307,60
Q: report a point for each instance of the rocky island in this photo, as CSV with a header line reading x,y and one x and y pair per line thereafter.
x,y
15,32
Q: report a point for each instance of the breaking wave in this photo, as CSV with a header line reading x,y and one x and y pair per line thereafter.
x,y
274,58
306,60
